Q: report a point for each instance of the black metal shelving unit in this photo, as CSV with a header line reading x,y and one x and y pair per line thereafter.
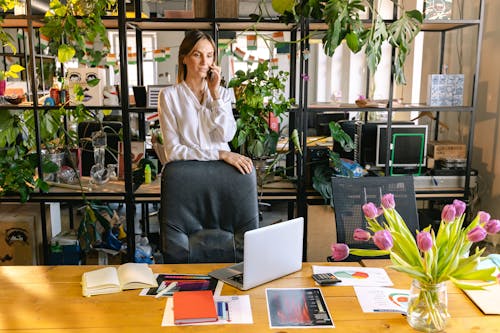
x,y
298,89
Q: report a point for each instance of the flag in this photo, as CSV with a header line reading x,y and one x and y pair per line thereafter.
x,y
44,41
278,36
159,55
110,59
252,42
167,52
281,46
131,56
274,63
239,53
251,58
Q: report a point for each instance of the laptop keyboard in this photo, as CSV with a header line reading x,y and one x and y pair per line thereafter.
x,y
237,278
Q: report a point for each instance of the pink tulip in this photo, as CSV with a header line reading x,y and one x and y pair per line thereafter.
x,y
340,251
460,207
370,210
361,235
383,239
491,227
483,217
448,214
477,234
424,241
388,201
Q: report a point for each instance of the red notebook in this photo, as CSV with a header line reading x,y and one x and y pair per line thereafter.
x,y
194,307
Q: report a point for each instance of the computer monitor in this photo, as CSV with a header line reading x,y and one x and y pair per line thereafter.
x,y
408,146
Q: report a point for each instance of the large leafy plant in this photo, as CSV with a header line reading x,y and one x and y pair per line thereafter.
x,y
260,94
74,25
18,157
321,179
343,19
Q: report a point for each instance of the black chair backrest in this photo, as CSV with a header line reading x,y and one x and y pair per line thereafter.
x,y
206,207
350,194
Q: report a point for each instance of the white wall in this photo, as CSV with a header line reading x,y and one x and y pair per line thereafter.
x,y
486,153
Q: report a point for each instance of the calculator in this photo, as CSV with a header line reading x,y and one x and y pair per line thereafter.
x,y
326,279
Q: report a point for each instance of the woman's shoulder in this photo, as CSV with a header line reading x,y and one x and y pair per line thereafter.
x,y
171,90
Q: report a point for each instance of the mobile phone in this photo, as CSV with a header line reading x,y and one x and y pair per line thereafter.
x,y
210,75
326,279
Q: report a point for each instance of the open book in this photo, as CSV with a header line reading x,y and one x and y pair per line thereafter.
x,y
112,280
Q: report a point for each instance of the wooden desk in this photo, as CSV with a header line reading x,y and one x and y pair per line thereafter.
x,y
49,299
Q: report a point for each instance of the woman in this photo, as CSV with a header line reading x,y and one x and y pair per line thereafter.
x,y
195,114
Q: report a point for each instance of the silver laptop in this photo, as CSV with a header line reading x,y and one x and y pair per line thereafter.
x,y
269,253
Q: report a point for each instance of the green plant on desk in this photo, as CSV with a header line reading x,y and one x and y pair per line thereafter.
x,y
323,173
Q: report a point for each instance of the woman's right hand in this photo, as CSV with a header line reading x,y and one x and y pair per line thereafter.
x,y
242,163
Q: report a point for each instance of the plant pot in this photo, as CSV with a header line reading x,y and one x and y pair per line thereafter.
x,y
428,307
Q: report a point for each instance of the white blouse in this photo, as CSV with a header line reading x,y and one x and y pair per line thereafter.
x,y
192,130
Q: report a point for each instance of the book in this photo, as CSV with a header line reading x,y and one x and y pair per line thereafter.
x,y
194,307
110,280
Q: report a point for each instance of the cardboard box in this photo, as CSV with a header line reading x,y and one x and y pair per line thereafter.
x,y
224,8
227,8
17,241
93,95
321,232
104,257
179,14
24,216
440,150
445,90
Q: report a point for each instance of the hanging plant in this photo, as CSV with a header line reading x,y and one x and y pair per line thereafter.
x,y
5,38
344,23
76,29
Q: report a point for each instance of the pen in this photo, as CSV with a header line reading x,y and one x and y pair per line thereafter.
x,y
166,289
227,311
389,310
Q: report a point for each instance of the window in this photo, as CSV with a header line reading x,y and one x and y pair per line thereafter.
x,y
149,41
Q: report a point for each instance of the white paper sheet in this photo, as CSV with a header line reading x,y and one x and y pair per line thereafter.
x,y
382,299
240,311
357,276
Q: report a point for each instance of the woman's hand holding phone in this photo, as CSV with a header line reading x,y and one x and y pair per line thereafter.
x,y
213,81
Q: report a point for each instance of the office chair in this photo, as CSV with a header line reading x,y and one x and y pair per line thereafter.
x,y
350,194
206,207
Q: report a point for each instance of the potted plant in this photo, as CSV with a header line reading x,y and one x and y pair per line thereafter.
x,y
323,174
70,37
344,23
260,97
11,72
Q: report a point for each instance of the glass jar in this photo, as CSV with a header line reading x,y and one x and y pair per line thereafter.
x,y
428,306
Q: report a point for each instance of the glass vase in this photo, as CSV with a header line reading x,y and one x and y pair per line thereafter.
x,y
428,306
99,174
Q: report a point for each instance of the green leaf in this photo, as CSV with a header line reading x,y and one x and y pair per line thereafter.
x,y
471,285
93,82
368,253
65,53
352,42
